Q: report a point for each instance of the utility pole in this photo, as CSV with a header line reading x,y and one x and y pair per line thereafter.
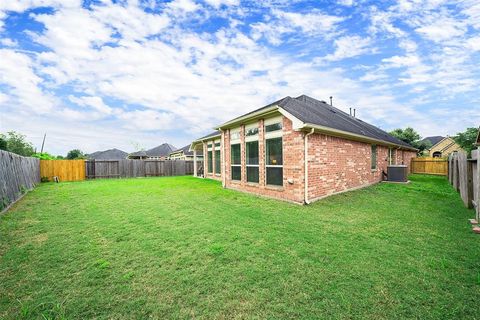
x,y
43,142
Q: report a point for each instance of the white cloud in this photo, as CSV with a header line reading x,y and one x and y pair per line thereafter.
x,y
7,42
23,85
283,22
93,102
218,3
350,46
444,29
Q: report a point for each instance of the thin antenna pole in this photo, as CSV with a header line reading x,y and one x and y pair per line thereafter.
x,y
43,142
331,100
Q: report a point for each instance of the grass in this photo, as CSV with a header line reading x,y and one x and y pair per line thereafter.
x,y
182,247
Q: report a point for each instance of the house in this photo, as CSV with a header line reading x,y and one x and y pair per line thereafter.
x,y
183,154
160,152
111,154
441,146
299,149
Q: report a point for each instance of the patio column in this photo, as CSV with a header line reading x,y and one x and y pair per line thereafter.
x,y
195,163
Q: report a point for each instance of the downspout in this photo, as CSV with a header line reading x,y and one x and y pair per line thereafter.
x,y
306,164
222,158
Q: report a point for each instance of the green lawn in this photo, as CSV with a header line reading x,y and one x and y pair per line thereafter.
x,y
182,247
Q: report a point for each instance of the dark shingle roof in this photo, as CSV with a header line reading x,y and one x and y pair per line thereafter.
x,y
186,151
111,154
215,133
310,110
162,150
433,140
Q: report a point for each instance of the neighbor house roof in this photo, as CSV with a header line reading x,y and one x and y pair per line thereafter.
x,y
307,113
185,150
111,154
433,140
162,150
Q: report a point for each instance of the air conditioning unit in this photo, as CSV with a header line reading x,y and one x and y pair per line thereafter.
x,y
397,173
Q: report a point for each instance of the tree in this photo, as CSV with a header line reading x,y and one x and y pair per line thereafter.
x,y
43,156
466,139
408,135
16,143
412,137
3,142
75,154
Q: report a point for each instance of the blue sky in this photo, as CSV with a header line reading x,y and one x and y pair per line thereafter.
x,y
133,74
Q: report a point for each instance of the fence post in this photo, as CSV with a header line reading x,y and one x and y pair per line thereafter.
x,y
478,185
465,179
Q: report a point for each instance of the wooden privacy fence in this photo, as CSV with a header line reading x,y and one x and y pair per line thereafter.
x,y
127,168
464,176
17,175
430,165
65,170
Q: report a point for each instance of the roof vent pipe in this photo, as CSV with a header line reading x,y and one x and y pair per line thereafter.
x,y
331,100
354,112
350,111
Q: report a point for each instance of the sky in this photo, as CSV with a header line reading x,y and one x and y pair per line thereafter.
x,y
134,74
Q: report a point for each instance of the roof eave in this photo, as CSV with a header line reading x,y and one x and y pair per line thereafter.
x,y
353,136
201,140
247,118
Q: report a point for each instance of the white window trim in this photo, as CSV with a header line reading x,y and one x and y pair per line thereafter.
x,y
274,165
255,138
276,133
235,131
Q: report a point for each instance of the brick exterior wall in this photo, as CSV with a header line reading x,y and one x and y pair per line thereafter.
x,y
334,164
293,165
338,164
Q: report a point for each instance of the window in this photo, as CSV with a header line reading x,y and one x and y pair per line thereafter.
x,y
217,161
251,131
210,161
252,161
273,127
392,156
274,161
236,162
217,144
235,135
374,157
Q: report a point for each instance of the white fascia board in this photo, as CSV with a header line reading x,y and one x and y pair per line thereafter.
x,y
297,124
247,117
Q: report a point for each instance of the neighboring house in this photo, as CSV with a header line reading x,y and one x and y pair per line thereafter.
x,y
183,154
160,152
299,149
112,154
441,146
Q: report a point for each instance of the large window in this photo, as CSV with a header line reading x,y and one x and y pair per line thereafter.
x,y
273,127
217,162
392,156
252,161
274,161
236,162
374,157
210,161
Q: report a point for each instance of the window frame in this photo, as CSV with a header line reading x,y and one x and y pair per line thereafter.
x,y
272,135
235,165
373,157
248,165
